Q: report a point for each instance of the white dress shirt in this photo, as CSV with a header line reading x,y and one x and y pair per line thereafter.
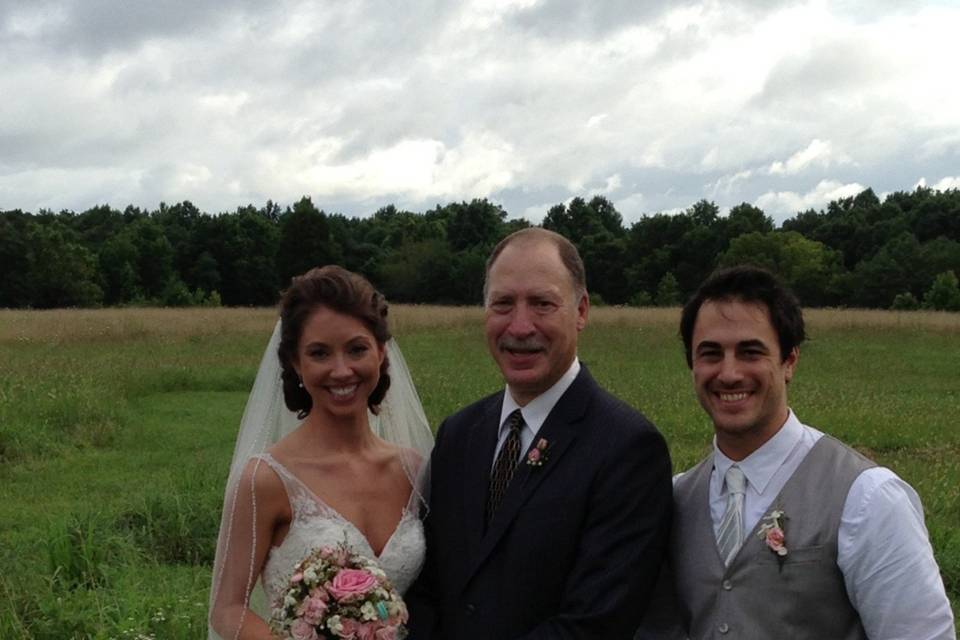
x,y
884,553
534,412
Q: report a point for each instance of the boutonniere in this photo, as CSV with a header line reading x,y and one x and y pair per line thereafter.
x,y
771,530
538,454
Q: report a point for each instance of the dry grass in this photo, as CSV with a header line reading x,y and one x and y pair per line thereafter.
x,y
944,321
106,325
58,326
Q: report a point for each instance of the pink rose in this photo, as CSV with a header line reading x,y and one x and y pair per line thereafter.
x,y
303,630
350,584
775,540
367,631
312,610
387,633
534,456
348,628
319,594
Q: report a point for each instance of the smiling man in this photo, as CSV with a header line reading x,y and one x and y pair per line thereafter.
x,y
784,532
550,499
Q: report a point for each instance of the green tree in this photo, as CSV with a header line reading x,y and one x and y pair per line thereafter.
x,y
905,301
15,259
892,270
118,260
944,293
809,268
746,218
63,272
420,272
668,291
155,256
250,269
305,241
475,224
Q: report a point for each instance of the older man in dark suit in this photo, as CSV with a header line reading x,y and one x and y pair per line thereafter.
x,y
550,501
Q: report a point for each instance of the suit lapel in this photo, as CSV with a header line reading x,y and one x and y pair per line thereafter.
x,y
480,446
560,431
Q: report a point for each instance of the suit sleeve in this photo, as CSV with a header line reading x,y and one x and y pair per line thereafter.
x,y
422,599
622,546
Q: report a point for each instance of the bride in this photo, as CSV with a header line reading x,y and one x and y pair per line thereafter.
x,y
351,471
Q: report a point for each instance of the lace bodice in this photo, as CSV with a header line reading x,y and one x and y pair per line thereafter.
x,y
315,524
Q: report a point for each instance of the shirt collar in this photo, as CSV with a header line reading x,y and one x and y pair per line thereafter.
x,y
759,466
536,411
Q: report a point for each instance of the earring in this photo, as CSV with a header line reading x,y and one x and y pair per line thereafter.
x,y
300,382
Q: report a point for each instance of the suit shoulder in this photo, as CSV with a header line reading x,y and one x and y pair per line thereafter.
x,y
621,415
471,413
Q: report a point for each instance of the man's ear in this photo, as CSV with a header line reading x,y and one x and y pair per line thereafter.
x,y
583,310
790,364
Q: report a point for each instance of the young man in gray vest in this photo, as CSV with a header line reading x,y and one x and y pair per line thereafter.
x,y
783,531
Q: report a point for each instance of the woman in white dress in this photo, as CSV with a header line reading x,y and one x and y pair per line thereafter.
x,y
351,471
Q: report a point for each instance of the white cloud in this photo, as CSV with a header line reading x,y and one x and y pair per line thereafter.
x,y
631,207
818,154
949,182
781,205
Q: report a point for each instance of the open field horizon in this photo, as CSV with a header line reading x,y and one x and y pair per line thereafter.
x,y
117,427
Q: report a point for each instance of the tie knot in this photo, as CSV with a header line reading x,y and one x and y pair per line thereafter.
x,y
515,421
736,481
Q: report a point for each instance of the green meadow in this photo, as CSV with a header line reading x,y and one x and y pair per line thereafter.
x,y
117,428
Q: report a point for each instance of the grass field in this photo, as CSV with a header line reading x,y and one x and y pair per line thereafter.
x,y
117,428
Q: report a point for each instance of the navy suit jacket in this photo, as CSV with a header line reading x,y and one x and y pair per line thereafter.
x,y
573,550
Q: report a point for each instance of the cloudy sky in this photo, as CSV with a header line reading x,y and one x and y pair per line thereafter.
x,y
785,105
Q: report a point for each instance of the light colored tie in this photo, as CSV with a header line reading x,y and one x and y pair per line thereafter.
x,y
730,534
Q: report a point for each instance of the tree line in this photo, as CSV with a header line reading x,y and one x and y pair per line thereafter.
x,y
902,252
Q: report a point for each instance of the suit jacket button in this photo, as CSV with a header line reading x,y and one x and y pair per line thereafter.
x,y
470,609
723,628
727,585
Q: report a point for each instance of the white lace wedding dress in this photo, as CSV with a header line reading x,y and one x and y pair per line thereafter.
x,y
316,524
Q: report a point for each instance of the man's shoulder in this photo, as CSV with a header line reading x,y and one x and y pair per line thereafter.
x,y
606,407
474,411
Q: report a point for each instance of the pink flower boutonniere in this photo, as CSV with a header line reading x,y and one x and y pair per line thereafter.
x,y
538,454
771,530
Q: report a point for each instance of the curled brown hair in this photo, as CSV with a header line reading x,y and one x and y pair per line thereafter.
x,y
341,291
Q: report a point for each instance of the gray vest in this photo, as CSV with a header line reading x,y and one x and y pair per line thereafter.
x,y
761,595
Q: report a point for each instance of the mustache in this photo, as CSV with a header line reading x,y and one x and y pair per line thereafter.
x,y
520,344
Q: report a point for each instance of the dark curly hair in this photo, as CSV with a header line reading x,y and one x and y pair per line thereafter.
x,y
341,291
747,283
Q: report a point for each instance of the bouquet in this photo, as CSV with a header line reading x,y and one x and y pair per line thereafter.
x,y
337,594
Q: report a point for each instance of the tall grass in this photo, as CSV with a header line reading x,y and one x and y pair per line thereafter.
x,y
117,426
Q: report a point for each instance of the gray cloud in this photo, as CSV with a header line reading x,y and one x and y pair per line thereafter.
x,y
360,104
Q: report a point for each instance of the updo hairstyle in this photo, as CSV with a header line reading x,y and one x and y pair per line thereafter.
x,y
339,290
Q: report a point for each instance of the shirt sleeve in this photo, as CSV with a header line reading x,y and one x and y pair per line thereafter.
x,y
887,562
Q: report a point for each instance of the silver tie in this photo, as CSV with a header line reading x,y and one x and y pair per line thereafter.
x,y
730,534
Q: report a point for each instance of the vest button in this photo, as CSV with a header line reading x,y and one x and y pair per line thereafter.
x,y
723,628
471,609
727,585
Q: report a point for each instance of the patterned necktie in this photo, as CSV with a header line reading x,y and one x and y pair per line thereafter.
x,y
506,463
730,534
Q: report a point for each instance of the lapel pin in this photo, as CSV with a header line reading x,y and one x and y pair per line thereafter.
x,y
538,454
